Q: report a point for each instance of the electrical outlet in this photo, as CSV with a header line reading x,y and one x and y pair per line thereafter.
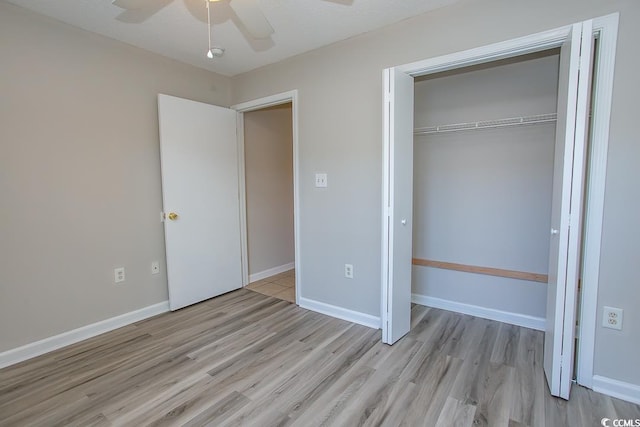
x,y
155,267
321,180
119,274
348,271
612,318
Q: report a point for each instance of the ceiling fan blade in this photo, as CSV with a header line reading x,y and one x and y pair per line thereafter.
x,y
252,18
131,4
141,13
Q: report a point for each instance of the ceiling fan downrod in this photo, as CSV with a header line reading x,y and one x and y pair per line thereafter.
x,y
212,52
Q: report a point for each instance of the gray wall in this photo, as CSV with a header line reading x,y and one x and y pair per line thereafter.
x,y
484,197
80,174
340,106
268,147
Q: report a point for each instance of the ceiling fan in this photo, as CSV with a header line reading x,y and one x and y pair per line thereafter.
x,y
248,13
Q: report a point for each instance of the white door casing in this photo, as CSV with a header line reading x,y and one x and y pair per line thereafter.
x,y
398,202
605,28
199,162
253,105
566,213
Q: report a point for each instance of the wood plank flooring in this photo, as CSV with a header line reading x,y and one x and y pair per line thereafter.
x,y
248,359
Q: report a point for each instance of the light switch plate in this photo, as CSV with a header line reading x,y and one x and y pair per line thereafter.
x,y
321,180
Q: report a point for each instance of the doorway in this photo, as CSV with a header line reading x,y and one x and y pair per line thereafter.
x,y
269,182
268,156
398,181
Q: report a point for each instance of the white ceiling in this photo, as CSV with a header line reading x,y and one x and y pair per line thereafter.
x,y
179,30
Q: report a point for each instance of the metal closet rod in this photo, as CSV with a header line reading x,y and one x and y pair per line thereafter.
x,y
488,124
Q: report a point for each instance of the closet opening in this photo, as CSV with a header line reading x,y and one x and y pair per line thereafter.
x,y
483,158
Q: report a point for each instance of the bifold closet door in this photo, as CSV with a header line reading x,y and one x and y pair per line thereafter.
x,y
199,160
398,200
566,208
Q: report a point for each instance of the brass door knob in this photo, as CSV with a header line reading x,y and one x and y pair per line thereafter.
x,y
173,216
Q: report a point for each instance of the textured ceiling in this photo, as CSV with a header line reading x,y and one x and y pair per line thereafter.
x,y
179,30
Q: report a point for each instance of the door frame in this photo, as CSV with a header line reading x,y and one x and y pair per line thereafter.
x,y
606,29
253,105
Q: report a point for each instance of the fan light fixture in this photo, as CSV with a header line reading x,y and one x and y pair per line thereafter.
x,y
214,51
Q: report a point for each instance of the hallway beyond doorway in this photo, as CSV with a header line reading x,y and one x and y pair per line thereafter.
x,y
282,286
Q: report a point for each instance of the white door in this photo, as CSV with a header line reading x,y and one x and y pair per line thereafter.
x,y
398,202
566,208
199,160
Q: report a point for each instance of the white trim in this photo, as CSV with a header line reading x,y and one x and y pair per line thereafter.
x,y
518,319
341,313
296,195
494,52
386,206
257,104
271,272
28,351
267,101
617,389
606,28
242,198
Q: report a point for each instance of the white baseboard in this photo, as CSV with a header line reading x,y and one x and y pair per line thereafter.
x,y
518,319
28,351
618,389
341,313
271,272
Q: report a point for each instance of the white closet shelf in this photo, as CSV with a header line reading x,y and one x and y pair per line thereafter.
x,y
488,124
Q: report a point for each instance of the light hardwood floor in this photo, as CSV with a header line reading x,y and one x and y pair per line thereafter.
x,y
248,359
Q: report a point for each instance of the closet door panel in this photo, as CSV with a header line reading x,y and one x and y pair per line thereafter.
x,y
568,176
396,304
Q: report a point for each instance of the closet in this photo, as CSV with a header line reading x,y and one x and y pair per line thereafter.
x,y
485,152
483,155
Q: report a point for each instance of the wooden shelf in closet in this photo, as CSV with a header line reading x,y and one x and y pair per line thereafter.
x,y
511,274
